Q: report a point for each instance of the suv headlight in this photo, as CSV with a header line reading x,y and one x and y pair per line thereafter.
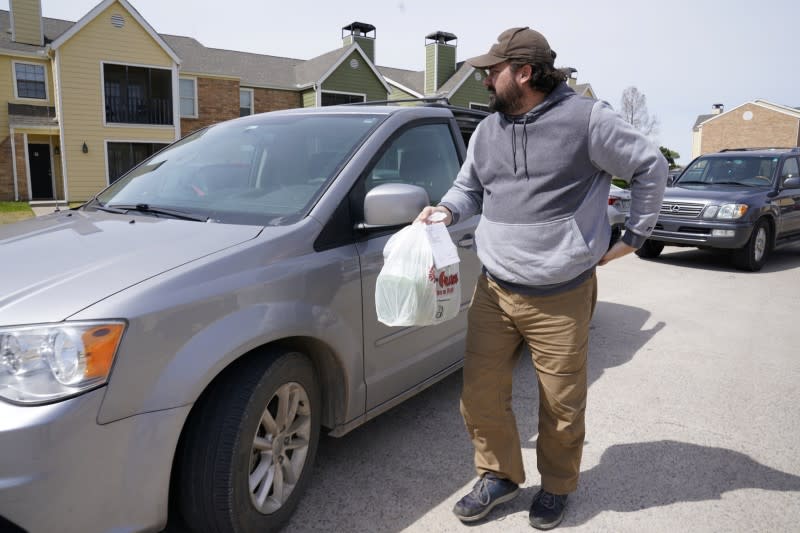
x,y
726,211
53,361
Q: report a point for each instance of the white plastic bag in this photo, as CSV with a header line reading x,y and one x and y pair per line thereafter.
x,y
410,290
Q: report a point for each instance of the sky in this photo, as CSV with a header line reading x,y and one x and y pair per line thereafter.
x,y
684,55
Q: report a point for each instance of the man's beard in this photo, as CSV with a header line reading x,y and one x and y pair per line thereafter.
x,y
508,103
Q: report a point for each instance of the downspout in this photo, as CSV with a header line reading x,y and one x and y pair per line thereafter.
x,y
60,117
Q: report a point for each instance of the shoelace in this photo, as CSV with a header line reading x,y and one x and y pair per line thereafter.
x,y
481,491
548,500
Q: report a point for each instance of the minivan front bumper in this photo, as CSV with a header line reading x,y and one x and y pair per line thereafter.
x,y
62,471
694,232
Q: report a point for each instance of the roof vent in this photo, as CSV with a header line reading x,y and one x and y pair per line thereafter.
x,y
717,109
117,21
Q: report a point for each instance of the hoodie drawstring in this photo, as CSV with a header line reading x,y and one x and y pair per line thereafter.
x,y
524,145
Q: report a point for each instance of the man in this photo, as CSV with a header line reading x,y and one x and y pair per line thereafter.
x,y
539,170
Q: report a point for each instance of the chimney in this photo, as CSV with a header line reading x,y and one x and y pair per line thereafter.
x,y
572,75
440,60
26,22
359,32
717,109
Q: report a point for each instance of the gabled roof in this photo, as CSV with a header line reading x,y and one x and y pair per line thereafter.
x,y
253,70
53,28
102,6
410,81
463,72
786,110
317,69
585,89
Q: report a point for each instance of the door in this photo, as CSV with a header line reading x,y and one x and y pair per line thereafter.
x,y
788,200
41,172
396,359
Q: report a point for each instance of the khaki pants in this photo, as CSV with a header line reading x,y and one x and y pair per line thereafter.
x,y
556,330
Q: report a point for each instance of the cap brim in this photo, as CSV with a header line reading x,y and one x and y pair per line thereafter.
x,y
485,61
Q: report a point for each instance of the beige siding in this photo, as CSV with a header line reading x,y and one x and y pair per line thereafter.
x,y
81,59
309,99
765,128
27,16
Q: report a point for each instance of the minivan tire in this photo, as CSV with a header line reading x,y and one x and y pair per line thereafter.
x,y
262,413
753,255
650,249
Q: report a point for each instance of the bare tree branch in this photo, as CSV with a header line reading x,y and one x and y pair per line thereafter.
x,y
633,108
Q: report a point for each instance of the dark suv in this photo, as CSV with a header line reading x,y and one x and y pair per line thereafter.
x,y
745,200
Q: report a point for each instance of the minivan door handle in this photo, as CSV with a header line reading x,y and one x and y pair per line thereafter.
x,y
466,241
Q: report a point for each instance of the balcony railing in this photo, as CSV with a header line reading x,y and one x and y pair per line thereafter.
x,y
138,110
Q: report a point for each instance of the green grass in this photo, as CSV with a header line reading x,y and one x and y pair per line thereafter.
x,y
14,212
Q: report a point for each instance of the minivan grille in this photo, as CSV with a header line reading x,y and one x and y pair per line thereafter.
x,y
681,209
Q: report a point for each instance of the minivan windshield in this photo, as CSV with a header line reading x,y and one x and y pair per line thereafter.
x,y
263,170
745,171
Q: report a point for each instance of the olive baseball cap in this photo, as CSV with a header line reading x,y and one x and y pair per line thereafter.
x,y
521,44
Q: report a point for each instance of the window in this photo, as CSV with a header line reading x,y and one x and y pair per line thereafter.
x,y
124,156
479,107
245,102
30,81
341,98
137,95
188,96
424,155
790,169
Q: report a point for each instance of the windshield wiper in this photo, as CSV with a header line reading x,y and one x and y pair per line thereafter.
x,y
690,182
731,183
146,208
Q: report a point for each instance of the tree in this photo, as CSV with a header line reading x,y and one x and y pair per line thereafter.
x,y
669,155
633,108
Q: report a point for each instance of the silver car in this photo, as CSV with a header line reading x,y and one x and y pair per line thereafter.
x,y
190,331
619,209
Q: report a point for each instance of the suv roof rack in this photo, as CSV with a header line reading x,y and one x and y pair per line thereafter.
x,y
466,117
761,148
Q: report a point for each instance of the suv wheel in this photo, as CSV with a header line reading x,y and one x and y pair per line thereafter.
x,y
249,445
753,255
650,249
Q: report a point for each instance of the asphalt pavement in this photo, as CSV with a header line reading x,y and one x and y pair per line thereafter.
x,y
692,422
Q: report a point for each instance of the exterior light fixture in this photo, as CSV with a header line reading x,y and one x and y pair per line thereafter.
x,y
85,148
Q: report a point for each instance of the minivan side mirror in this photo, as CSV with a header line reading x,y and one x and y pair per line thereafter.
x,y
393,204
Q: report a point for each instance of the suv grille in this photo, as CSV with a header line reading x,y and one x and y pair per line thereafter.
x,y
681,209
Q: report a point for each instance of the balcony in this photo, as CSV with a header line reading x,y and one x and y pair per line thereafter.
x,y
156,111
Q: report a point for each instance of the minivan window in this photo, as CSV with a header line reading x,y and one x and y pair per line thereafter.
x,y
259,170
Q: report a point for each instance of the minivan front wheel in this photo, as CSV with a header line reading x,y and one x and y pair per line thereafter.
x,y
249,446
754,254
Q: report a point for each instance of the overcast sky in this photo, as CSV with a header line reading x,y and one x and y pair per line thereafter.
x,y
684,55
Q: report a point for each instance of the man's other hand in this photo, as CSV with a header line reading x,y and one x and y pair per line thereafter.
x,y
620,249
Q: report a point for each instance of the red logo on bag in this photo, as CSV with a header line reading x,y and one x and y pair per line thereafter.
x,y
444,280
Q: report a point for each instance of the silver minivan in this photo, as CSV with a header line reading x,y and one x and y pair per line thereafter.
x,y
179,342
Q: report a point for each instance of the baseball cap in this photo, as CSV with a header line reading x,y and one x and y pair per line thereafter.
x,y
522,44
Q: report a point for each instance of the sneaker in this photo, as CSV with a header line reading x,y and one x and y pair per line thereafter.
x,y
487,493
547,510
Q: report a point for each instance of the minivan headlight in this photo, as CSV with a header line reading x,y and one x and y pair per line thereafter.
x,y
53,361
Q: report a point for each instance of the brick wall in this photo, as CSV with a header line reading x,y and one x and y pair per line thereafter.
x,y
6,171
764,128
274,99
217,100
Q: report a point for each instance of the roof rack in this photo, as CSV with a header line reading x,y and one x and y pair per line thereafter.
x,y
760,148
423,100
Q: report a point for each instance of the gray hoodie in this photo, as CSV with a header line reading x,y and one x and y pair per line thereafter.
x,y
541,182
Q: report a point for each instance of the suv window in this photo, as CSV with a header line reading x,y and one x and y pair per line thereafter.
x,y
790,169
423,155
751,171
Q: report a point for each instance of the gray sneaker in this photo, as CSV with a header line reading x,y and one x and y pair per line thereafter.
x,y
487,493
